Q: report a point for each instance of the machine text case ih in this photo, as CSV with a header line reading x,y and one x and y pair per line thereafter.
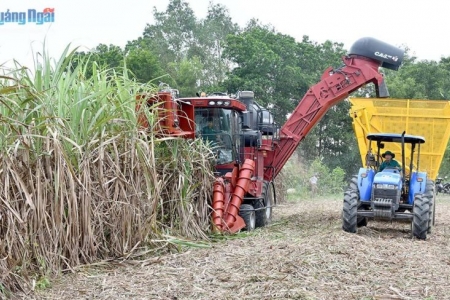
x,y
251,148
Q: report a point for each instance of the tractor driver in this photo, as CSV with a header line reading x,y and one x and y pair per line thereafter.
x,y
389,161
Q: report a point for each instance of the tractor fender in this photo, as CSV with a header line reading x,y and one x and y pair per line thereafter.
x,y
365,180
417,185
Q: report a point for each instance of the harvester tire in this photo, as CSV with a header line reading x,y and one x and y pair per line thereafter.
x,y
430,194
247,212
350,211
263,211
421,217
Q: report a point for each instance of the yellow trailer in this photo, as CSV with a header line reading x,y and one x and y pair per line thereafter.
x,y
427,118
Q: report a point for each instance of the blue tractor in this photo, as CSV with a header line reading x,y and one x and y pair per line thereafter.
x,y
403,194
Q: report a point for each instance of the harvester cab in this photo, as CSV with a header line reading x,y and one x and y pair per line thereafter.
x,y
241,133
231,124
403,193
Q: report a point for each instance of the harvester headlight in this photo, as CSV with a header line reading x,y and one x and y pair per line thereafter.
x,y
212,103
226,103
219,102
386,186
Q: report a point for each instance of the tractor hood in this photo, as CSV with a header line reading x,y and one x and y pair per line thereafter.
x,y
387,177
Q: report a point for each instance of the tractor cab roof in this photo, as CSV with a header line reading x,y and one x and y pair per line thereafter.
x,y
396,138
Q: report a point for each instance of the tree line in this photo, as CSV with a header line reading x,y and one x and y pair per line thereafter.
x,y
214,54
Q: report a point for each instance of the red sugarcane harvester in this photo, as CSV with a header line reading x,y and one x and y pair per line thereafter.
x,y
251,149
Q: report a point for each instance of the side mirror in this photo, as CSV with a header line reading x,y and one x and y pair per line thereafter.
x,y
381,146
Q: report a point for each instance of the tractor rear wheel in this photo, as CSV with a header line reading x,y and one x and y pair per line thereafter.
x,y
247,212
432,216
421,217
350,211
430,195
264,207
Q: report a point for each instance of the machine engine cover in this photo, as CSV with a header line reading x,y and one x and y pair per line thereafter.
x,y
388,177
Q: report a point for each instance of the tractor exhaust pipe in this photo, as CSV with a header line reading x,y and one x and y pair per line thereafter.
x,y
403,162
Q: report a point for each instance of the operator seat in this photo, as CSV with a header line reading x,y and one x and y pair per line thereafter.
x,y
371,161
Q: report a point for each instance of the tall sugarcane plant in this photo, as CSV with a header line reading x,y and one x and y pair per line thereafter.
x,y
80,181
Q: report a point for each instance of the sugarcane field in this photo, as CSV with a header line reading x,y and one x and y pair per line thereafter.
x,y
303,254
182,149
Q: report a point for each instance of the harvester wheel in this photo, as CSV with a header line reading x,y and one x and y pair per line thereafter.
x,y
421,217
430,194
350,211
264,214
247,212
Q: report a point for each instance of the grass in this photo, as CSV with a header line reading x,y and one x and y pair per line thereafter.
x,y
81,182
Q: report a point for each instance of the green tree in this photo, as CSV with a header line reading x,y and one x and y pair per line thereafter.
x,y
265,63
333,141
144,65
108,56
103,55
173,32
277,68
426,78
212,34
185,74
178,36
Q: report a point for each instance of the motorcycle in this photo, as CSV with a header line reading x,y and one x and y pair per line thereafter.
x,y
439,185
442,187
446,188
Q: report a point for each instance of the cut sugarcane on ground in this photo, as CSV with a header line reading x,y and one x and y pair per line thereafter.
x,y
304,254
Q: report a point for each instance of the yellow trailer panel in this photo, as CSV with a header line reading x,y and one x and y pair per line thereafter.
x,y
427,118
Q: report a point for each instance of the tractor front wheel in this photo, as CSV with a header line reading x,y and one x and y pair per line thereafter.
x,y
350,211
421,217
247,212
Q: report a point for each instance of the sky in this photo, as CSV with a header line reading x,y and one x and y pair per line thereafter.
x,y
419,25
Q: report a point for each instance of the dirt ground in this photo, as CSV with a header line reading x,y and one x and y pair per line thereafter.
x,y
304,254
